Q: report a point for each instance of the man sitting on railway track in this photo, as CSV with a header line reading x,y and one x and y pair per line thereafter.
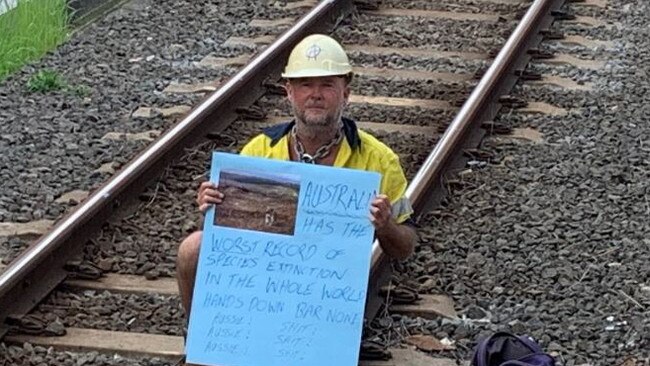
x,y
318,74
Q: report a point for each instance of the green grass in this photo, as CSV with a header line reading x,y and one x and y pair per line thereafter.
x,y
46,81
29,30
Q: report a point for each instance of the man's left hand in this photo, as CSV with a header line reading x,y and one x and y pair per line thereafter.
x,y
396,240
380,212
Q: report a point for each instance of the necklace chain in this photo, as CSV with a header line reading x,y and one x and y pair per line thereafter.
x,y
322,151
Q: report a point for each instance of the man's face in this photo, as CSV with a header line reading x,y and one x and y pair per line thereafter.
x,y
318,101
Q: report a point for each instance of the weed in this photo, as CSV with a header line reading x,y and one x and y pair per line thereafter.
x,y
79,90
45,81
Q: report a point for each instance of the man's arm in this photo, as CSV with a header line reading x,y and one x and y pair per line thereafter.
x,y
396,240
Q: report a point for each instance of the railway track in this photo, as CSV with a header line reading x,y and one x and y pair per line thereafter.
x,y
432,105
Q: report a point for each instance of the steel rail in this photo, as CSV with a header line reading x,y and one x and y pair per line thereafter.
x,y
36,271
482,105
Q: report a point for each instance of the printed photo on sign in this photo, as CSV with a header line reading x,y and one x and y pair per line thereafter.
x,y
258,201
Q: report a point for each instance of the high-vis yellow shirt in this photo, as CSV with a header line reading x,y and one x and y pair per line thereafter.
x,y
359,150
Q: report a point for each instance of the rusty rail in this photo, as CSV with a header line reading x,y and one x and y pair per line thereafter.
x,y
427,188
31,276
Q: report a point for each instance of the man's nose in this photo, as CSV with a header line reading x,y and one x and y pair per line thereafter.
x,y
316,93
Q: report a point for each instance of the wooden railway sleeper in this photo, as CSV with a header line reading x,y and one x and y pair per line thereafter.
x,y
83,270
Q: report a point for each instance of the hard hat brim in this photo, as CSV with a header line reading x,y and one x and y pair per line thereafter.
x,y
313,73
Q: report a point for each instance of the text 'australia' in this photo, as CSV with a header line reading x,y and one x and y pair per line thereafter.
x,y
336,197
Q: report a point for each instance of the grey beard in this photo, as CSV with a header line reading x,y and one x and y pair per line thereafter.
x,y
322,128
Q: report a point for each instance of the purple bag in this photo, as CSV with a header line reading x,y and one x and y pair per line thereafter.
x,y
505,349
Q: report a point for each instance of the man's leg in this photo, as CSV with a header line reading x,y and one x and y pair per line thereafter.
x,y
186,262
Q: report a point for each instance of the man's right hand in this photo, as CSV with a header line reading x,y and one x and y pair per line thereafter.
x,y
208,195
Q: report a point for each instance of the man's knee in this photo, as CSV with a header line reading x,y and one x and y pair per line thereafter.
x,y
188,251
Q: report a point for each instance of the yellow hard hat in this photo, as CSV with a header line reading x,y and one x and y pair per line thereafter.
x,y
317,55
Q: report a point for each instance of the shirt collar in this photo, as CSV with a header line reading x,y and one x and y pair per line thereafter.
x,y
277,132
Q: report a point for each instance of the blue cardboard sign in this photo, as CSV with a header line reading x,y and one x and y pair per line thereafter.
x,y
283,266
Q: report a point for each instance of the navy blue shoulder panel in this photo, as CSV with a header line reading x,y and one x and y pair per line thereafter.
x,y
276,132
351,133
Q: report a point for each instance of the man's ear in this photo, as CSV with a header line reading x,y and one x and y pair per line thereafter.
x,y
288,89
346,93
